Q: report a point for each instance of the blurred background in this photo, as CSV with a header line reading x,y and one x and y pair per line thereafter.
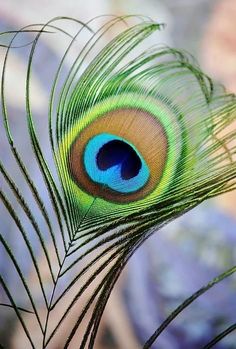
x,y
189,252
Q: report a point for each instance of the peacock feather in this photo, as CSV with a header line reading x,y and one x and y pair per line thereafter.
x,y
130,137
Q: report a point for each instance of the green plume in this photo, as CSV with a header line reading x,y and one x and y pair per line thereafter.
x,y
130,139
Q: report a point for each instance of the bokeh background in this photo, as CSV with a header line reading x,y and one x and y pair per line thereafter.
x,y
189,252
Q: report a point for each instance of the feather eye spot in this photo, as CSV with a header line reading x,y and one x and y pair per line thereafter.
x,y
120,155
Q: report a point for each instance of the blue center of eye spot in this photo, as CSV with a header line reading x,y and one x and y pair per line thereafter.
x,y
114,162
117,152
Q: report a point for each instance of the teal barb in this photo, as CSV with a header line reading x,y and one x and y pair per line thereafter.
x,y
133,141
